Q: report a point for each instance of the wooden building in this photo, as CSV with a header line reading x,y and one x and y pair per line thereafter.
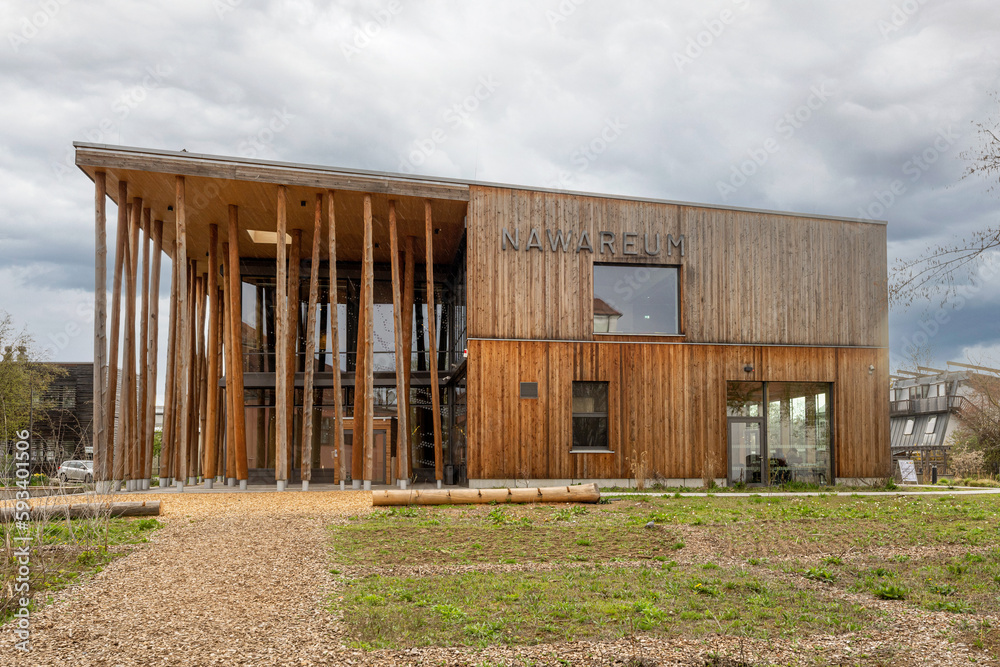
x,y
547,336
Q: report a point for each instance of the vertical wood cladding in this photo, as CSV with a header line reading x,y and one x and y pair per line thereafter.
x,y
749,278
668,400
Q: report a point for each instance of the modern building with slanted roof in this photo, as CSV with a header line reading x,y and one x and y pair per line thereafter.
x,y
359,327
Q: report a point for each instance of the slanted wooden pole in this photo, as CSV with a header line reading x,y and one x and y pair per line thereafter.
x,y
368,380
220,419
212,388
432,343
142,374
282,406
357,448
201,375
338,396
409,296
402,427
130,469
100,441
230,406
183,335
152,349
170,397
236,332
111,407
310,352
294,260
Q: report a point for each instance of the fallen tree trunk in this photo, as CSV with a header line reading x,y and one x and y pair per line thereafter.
x,y
580,493
83,510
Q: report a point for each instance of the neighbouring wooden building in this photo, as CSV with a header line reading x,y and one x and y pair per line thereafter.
x,y
547,336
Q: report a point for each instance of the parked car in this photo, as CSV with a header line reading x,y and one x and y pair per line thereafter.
x,y
82,471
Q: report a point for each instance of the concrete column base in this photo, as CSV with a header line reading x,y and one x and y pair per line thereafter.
x,y
368,485
305,485
209,482
439,484
355,484
116,486
342,485
402,484
281,485
105,487
146,484
191,481
243,485
180,487
231,481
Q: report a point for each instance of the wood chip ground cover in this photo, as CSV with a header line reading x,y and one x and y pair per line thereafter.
x,y
277,579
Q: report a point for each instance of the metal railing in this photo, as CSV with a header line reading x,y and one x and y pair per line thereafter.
x,y
914,406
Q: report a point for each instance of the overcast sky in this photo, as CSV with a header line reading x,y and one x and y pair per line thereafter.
x,y
849,108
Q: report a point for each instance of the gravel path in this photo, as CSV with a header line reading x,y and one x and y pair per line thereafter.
x,y
243,579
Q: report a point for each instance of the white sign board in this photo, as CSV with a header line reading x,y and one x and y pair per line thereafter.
x,y
907,471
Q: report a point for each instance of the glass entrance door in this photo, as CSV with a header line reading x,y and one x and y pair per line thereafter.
x,y
746,461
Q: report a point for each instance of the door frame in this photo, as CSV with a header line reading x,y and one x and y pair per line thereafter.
x,y
764,472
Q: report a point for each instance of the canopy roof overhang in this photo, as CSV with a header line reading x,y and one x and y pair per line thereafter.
x,y
212,183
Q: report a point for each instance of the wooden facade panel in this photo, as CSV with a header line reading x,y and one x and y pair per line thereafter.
x,y
666,400
747,278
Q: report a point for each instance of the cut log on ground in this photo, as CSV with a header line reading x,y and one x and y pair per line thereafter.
x,y
84,510
579,493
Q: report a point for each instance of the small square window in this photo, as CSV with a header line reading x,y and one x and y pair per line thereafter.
x,y
590,416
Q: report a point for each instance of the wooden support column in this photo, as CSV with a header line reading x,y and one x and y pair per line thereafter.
x,y
338,396
100,435
202,376
129,389
230,465
310,353
111,407
142,375
368,433
294,260
220,425
170,396
152,352
402,421
432,359
236,333
212,388
183,335
357,449
282,407
192,367
409,296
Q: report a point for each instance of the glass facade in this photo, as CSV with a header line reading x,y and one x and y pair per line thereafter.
x,y
790,441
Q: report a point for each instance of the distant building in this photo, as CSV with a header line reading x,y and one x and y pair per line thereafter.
x,y
62,418
925,409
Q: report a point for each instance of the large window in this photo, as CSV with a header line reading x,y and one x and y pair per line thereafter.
x,y
636,299
590,416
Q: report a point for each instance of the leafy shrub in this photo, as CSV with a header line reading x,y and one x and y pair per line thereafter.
x,y
887,591
819,574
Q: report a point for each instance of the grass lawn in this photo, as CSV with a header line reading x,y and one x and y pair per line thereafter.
x,y
63,552
760,567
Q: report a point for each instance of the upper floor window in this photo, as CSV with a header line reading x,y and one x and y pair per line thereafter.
x,y
636,299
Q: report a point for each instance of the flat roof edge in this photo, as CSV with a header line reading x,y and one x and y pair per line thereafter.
x,y
429,181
